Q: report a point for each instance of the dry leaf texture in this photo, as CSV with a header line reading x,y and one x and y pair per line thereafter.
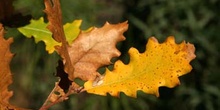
x,y
160,65
5,72
54,16
95,48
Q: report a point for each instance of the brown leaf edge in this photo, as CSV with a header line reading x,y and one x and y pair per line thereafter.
x,y
54,16
5,73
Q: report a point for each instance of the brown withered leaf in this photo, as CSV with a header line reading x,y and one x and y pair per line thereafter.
x,y
5,72
93,49
90,50
54,16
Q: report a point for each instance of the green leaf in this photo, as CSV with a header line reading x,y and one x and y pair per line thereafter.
x,y
72,30
38,29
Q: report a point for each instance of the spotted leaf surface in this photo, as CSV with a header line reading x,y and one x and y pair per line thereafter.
x,y
160,65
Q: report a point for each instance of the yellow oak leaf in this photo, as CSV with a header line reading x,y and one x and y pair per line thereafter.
x,y
160,65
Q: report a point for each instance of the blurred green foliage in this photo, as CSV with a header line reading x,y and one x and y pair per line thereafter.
x,y
196,21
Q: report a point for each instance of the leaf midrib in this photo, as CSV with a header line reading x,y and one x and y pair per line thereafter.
x,y
38,30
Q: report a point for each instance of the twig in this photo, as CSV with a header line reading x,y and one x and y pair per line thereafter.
x,y
72,90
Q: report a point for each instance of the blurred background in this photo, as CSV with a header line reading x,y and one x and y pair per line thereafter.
x,y
196,21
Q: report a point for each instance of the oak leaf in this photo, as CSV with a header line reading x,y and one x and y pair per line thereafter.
x,y
54,16
38,29
90,50
5,72
95,48
160,65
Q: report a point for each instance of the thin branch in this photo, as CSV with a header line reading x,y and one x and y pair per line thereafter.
x,y
72,90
